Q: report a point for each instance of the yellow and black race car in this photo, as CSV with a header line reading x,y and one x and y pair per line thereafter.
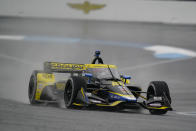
x,y
97,85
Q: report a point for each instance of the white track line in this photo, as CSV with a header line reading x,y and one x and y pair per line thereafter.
x,y
187,113
12,37
162,49
153,64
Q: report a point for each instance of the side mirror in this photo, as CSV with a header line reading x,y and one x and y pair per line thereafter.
x,y
125,79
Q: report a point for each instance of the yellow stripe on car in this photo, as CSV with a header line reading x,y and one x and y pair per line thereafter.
x,y
82,90
117,83
163,107
119,94
99,66
77,104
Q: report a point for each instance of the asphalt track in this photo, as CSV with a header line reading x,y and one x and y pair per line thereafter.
x,y
26,43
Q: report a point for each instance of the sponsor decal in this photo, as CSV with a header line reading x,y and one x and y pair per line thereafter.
x,y
157,98
62,66
155,104
95,101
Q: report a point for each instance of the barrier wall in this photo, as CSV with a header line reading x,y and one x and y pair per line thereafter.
x,y
116,10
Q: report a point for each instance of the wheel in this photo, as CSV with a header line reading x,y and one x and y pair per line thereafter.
x,y
158,89
157,112
32,88
73,85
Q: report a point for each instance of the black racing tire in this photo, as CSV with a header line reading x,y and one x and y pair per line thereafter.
x,y
73,85
158,89
157,112
32,87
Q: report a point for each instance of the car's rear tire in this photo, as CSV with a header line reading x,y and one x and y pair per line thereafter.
x,y
73,85
158,89
157,112
32,88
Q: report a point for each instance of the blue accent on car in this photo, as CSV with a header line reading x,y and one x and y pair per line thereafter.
x,y
86,98
126,77
89,75
114,97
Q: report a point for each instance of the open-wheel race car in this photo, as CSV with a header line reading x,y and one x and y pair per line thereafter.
x,y
97,85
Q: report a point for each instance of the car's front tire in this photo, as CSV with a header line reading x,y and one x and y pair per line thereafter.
x,y
158,89
73,85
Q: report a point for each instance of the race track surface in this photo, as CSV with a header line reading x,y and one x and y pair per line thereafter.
x,y
26,43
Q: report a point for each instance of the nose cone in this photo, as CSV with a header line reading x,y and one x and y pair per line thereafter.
x,y
129,98
121,97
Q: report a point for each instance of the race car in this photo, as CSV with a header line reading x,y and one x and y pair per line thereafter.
x,y
95,85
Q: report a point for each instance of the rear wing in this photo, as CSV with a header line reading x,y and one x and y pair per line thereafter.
x,y
63,67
